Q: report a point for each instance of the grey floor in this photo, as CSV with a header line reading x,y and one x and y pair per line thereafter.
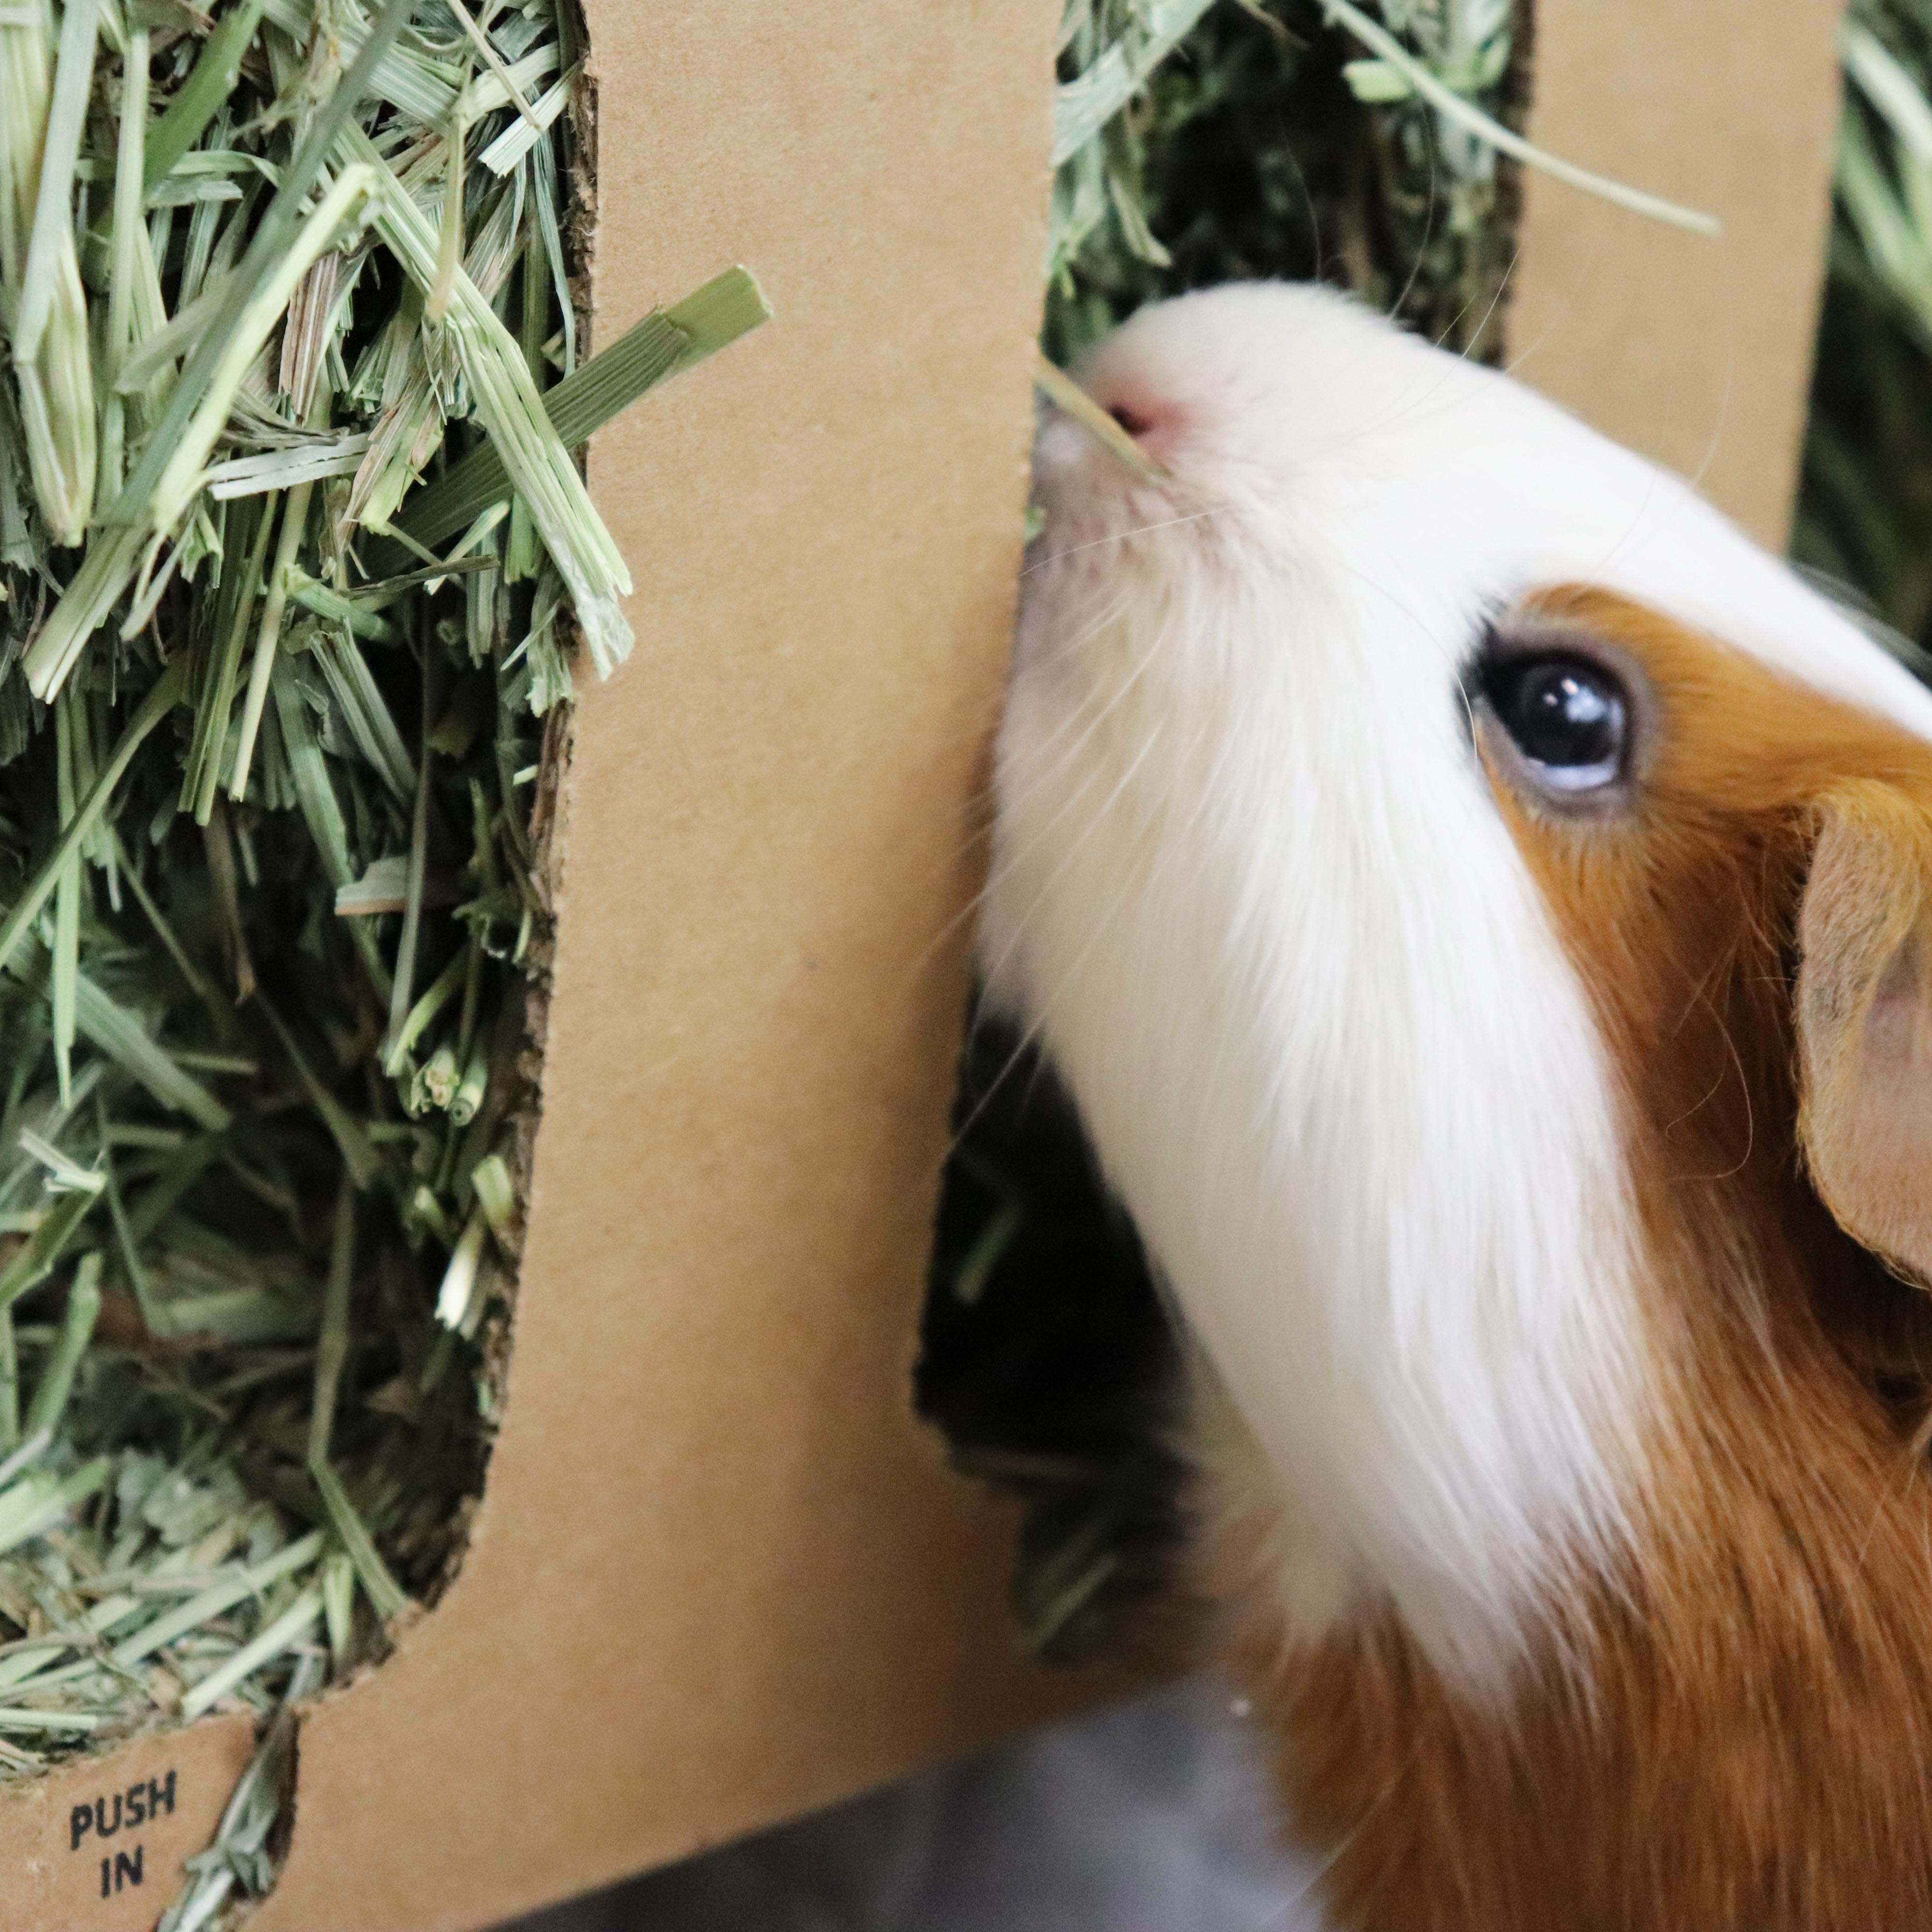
x,y
1150,1817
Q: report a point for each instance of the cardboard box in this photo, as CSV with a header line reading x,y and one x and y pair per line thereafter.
x,y
721,1574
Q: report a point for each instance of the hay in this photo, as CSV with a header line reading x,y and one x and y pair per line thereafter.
x,y
276,756
1864,513
1266,145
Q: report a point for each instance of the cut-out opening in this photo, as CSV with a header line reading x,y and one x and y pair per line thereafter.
x,y
1046,1357
266,1094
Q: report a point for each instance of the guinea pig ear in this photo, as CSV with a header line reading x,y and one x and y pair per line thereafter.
x,y
1864,1023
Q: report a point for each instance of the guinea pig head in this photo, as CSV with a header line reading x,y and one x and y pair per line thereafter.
x,y
1482,905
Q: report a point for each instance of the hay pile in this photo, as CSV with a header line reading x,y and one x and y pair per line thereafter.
x,y
293,553
1865,513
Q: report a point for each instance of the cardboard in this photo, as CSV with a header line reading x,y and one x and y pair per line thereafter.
x,y
102,1846
721,1574
1696,351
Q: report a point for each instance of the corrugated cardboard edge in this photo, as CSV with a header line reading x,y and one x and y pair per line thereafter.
x,y
1696,351
720,1574
101,1844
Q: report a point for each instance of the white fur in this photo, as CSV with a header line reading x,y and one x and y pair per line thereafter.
x,y
1252,893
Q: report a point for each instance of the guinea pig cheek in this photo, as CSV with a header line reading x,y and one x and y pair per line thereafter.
x,y
1680,918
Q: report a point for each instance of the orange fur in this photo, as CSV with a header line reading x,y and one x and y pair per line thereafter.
x,y
1735,1735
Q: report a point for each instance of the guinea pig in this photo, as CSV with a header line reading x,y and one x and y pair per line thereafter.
x,y
1481,905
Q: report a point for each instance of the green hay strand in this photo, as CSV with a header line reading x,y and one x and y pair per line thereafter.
x,y
260,299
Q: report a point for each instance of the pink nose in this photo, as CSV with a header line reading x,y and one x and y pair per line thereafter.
x,y
1129,419
1143,413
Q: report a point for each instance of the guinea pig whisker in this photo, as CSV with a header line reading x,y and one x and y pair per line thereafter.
x,y
1903,1473
1393,311
1204,798
1122,536
1488,314
1408,409
1004,871
1452,655
1037,1024
1119,606
1339,1849
1700,994
1084,716
999,873
1050,779
1094,718
1718,427
1075,849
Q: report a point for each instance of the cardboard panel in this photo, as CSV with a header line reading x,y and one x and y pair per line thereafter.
x,y
102,1845
721,1575
1696,351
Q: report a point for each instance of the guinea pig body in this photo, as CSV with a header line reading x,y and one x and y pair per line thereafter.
x,y
1412,814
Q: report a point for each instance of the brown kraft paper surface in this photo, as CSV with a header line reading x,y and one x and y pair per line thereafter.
x,y
1696,351
101,1845
721,1573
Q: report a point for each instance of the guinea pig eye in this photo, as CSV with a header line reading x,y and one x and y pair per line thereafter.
x,y
1568,717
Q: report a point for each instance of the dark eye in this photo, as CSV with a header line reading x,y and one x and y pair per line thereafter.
x,y
1570,717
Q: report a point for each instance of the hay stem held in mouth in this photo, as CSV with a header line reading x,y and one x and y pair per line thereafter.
x,y
1067,396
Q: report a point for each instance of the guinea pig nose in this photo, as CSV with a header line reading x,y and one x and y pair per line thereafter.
x,y
1101,418
1146,420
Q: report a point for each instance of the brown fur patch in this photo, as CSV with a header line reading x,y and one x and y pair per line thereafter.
x,y
1736,1735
